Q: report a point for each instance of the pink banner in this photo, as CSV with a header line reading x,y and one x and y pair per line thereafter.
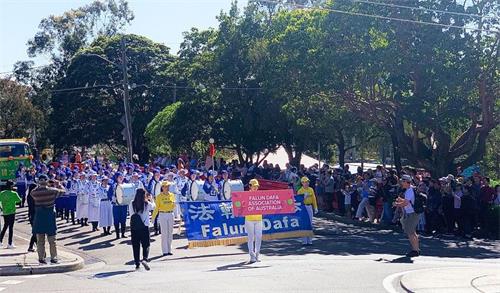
x,y
263,202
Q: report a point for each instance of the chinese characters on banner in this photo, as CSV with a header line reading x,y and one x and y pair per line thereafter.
x,y
214,223
263,202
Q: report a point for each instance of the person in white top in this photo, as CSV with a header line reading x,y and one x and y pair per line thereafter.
x,y
139,210
409,220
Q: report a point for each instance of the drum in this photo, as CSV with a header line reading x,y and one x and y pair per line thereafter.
x,y
197,193
125,193
230,186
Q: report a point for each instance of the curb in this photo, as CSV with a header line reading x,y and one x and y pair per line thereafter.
x,y
19,269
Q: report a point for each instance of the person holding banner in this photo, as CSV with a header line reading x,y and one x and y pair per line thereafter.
x,y
165,205
309,202
253,226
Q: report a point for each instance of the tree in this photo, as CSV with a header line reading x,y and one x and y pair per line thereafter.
x,y
432,89
60,37
92,114
18,116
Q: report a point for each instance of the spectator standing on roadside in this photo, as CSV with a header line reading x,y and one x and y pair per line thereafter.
x,y
409,220
8,200
44,223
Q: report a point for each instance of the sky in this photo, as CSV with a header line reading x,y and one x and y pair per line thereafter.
x,y
163,21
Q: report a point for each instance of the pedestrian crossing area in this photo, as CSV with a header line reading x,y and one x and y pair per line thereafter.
x,y
9,283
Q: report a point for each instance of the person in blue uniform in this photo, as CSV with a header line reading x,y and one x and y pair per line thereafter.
x,y
21,183
105,209
211,188
119,211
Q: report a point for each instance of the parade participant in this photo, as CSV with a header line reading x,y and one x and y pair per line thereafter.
x,y
180,182
71,187
135,180
105,208
165,205
119,211
222,184
211,188
154,189
31,215
186,191
21,183
154,186
409,220
139,210
309,202
253,226
45,219
82,202
93,190
8,200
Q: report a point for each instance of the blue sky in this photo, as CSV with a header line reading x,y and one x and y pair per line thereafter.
x,y
161,20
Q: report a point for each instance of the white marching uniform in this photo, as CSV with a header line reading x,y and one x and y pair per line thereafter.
x,y
180,182
93,190
106,209
155,188
138,184
82,200
173,188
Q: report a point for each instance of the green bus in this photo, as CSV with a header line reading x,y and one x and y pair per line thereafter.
x,y
12,153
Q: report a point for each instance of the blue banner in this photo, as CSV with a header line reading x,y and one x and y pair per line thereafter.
x,y
212,223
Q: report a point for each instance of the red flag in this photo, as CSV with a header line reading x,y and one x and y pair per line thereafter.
x,y
212,150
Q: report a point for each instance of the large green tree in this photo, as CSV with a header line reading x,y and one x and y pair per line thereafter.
x,y
18,116
92,115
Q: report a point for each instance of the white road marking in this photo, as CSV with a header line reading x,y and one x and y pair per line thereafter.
x,y
2,288
389,280
11,282
33,276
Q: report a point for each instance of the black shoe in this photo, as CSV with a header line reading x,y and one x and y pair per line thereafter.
x,y
137,267
170,253
123,236
54,261
31,250
145,265
413,253
165,254
42,261
146,260
117,236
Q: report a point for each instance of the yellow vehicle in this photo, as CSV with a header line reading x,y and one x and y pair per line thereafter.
x,y
12,153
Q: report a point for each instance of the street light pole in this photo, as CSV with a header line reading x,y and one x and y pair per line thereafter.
x,y
126,103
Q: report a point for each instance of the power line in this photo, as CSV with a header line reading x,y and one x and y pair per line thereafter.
x,y
384,17
422,8
34,67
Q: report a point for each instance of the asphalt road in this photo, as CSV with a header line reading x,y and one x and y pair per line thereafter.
x,y
344,258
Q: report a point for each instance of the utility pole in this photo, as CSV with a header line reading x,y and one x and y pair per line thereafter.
x,y
126,103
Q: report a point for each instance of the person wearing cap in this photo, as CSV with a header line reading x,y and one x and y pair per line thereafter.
x,y
165,205
181,181
187,190
119,210
8,200
223,183
135,180
44,223
82,201
253,226
211,188
409,221
105,208
154,188
171,178
309,202
93,190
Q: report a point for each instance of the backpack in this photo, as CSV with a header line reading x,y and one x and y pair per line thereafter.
x,y
136,223
420,202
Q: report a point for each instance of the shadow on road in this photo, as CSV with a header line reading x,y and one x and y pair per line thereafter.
x,y
111,274
238,266
334,238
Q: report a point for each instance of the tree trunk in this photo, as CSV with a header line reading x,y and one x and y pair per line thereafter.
x,y
396,153
293,160
341,147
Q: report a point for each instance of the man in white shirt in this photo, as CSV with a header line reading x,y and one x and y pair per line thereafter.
x,y
409,221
